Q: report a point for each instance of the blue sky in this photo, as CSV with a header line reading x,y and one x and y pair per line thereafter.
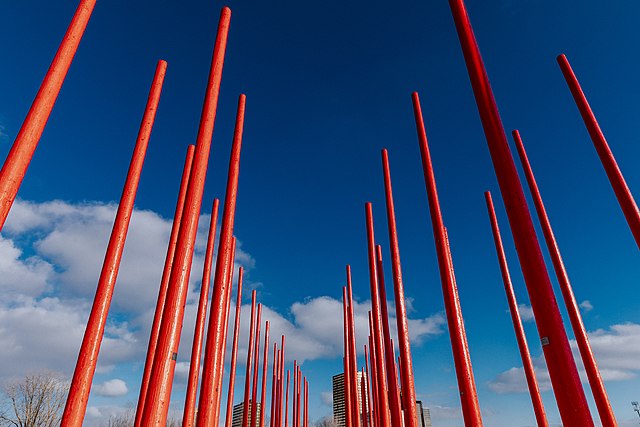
x,y
328,85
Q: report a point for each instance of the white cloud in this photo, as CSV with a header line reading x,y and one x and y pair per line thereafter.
x,y
526,313
586,306
111,388
617,352
327,398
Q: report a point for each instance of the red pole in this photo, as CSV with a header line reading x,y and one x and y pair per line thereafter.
x,y
278,404
352,350
247,375
591,367
406,372
164,284
286,405
363,397
383,401
273,387
24,146
234,352
534,391
374,375
294,395
256,368
299,397
346,383
369,404
80,387
281,381
194,367
618,183
466,382
265,368
157,403
306,403
209,405
392,378
572,402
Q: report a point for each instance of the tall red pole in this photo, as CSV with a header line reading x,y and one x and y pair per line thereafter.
x,y
281,385
294,395
383,401
273,387
164,284
567,388
306,403
210,395
247,375
591,367
374,375
406,371
189,414
298,396
80,387
17,161
346,383
363,397
265,368
532,383
464,371
157,402
256,369
370,403
618,183
392,378
234,352
353,370
286,404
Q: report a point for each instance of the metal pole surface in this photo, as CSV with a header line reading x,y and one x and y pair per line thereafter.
x,y
265,368
209,405
286,399
17,161
567,387
406,372
256,369
601,398
164,284
370,403
374,375
247,374
189,414
234,352
457,334
80,386
383,401
392,378
161,382
353,368
346,383
273,386
532,383
618,183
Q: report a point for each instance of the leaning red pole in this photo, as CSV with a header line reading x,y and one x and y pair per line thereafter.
x,y
286,399
306,404
374,375
157,402
273,387
80,387
567,388
353,368
532,383
247,374
164,284
392,377
369,406
265,367
607,417
363,397
618,183
346,383
189,414
406,371
209,406
17,161
256,369
234,352
457,334
383,400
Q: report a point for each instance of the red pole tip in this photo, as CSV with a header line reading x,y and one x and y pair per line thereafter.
x,y
562,59
226,12
162,63
515,133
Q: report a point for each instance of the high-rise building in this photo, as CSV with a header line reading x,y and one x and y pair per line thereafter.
x,y
339,399
238,411
424,415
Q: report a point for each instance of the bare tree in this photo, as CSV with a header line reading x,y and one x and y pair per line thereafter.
x,y
127,419
325,422
35,401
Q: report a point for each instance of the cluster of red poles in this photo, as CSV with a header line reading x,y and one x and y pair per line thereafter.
x,y
387,388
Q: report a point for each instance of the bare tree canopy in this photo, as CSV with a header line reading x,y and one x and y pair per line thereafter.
x,y
35,401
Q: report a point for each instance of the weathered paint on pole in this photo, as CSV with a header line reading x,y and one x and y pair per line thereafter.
x,y
247,372
209,405
383,400
607,417
234,352
353,368
17,161
392,378
265,368
457,334
161,382
346,384
618,183
567,388
80,387
256,369
189,413
532,383
164,284
406,371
